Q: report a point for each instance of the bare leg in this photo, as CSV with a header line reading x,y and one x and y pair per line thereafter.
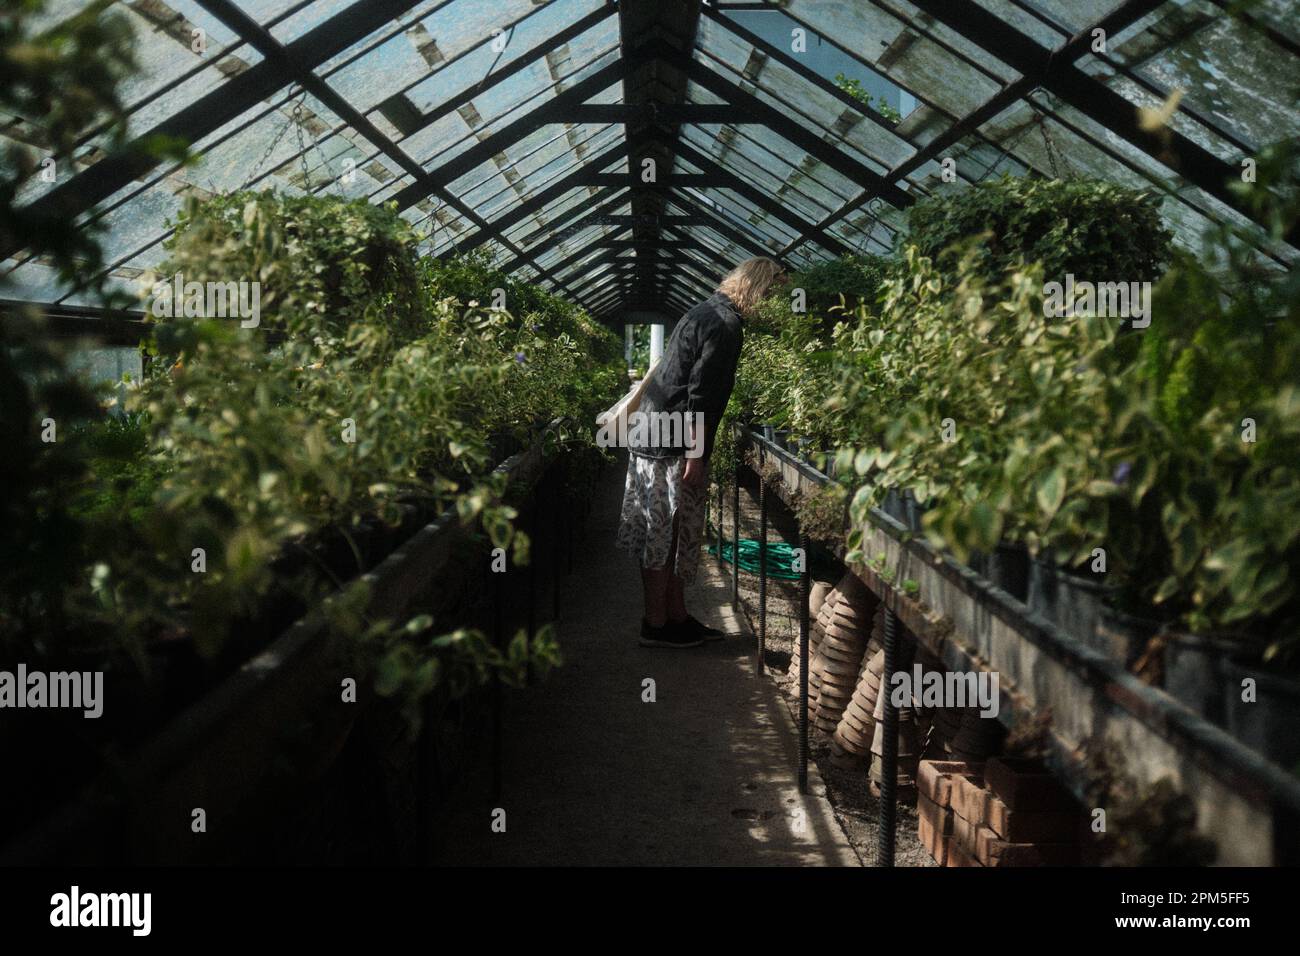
x,y
676,596
655,582
665,597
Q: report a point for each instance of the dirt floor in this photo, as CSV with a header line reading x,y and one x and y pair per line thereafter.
x,y
854,806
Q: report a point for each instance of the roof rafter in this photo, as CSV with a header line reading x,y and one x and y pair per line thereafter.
x,y
1057,72
209,112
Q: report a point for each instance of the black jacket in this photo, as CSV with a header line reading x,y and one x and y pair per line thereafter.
x,y
696,374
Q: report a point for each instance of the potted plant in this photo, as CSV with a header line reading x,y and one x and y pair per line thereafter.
x,y
1216,493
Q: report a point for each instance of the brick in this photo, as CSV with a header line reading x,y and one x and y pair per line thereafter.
x,y
983,845
933,826
963,834
969,798
1029,826
987,849
957,857
993,852
1024,785
1001,853
934,778
938,817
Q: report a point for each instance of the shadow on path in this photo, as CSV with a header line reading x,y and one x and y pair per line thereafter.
x,y
593,774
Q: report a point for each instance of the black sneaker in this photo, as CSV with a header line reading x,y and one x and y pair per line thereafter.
x,y
670,635
700,629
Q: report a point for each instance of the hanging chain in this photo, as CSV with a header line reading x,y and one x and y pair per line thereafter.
x,y
303,149
266,154
1054,151
875,210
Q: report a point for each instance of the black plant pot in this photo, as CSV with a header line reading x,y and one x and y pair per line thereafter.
x,y
912,512
1196,673
1008,569
1073,602
1271,723
768,432
831,468
1124,636
893,506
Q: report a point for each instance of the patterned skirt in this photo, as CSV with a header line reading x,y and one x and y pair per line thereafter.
x,y
652,497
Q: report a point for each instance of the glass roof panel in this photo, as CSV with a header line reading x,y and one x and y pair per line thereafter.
x,y
888,36
1233,68
778,85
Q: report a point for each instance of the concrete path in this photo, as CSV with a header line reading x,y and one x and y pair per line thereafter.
x,y
594,775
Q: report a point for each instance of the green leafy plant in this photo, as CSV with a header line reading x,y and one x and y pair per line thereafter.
x,y
66,79
1095,230
370,385
822,514
853,87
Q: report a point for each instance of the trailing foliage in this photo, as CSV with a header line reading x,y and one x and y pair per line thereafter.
x,y
1075,437
65,81
1095,230
1171,449
784,378
378,388
853,87
832,290
322,265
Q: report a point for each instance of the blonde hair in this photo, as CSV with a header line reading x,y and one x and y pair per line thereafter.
x,y
747,284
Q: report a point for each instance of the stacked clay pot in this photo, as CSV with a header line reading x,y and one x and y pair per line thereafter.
x,y
818,597
851,744
816,635
842,650
907,744
976,738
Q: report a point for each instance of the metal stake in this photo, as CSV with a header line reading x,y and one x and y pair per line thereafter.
x,y
889,747
721,517
498,632
762,571
735,540
557,489
804,591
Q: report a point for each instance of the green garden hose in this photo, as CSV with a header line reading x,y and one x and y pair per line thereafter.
x,y
780,558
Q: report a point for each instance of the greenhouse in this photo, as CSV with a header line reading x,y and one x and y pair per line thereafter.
x,y
854,433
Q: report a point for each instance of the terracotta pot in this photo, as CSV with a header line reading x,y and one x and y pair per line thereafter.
x,y
817,625
976,738
817,595
907,750
842,651
857,723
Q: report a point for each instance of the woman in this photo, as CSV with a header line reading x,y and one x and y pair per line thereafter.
x,y
667,473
